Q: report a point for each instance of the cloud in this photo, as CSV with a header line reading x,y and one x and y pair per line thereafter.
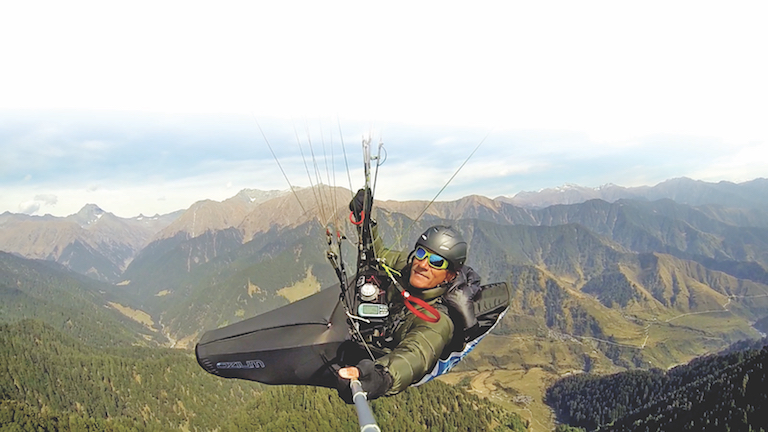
x,y
165,163
29,207
40,201
47,199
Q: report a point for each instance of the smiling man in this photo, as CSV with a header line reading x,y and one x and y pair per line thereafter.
x,y
434,272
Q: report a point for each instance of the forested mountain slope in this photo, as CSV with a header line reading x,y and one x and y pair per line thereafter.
x,y
82,307
716,392
55,382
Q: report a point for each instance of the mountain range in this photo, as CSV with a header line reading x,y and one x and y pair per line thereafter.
x,y
91,242
217,262
99,244
598,285
683,190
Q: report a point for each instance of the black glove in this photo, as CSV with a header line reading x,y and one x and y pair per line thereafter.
x,y
375,381
357,205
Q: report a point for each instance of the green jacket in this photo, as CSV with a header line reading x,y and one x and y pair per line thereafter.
x,y
417,344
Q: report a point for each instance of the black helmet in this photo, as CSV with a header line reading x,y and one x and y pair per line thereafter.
x,y
446,242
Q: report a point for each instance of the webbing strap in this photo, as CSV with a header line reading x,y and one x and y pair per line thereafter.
x,y
431,315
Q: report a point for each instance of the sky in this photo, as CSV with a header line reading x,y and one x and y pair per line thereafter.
x,y
147,107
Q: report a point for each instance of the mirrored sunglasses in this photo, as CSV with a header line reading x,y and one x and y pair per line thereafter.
x,y
435,260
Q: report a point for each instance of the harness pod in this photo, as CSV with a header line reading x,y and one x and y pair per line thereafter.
x,y
300,343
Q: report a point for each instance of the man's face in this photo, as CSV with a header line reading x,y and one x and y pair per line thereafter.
x,y
424,276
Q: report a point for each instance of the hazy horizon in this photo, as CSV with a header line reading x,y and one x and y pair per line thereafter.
x,y
558,93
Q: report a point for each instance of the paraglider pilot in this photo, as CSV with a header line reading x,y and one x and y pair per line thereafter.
x,y
433,271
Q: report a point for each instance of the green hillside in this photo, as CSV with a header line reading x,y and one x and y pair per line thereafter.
x,y
715,392
709,233
233,285
75,304
55,382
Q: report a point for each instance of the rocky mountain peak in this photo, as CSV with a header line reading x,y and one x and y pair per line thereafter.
x,y
255,196
89,214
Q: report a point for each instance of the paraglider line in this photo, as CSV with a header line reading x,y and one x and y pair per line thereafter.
x,y
279,165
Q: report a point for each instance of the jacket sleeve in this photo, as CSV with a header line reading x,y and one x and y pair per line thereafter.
x,y
418,352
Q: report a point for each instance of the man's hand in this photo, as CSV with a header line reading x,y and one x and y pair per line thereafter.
x,y
357,205
349,373
376,381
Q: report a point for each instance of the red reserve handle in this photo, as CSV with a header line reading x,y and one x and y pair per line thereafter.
x,y
409,299
352,218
